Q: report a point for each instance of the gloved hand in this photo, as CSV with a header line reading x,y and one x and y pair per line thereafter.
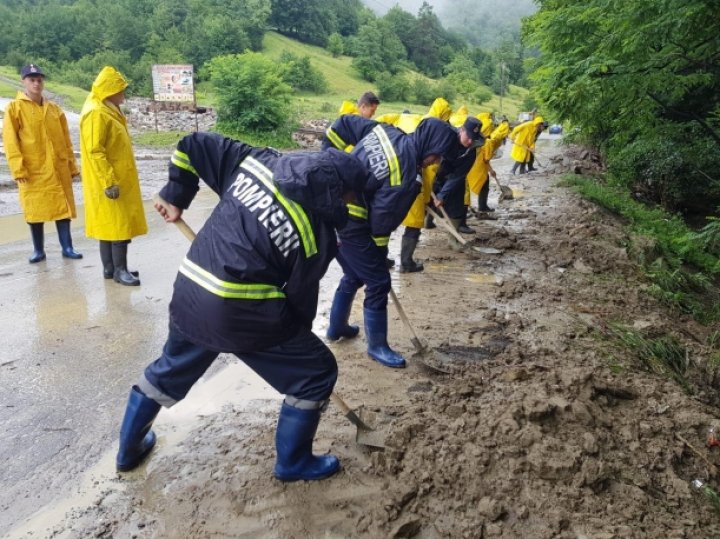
x,y
112,192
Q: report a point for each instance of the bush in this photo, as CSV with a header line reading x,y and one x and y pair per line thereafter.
x,y
393,87
424,91
301,75
251,93
335,44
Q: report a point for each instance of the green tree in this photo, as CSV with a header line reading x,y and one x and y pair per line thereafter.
x,y
393,87
379,49
335,44
251,92
642,79
299,73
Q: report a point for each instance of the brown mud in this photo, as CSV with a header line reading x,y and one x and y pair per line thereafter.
x,y
545,428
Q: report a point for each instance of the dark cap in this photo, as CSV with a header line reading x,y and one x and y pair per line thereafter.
x,y
31,69
473,128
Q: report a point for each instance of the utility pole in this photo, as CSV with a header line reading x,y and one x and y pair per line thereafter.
x,y
502,84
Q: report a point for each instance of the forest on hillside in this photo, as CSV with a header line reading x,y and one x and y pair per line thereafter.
x,y
73,39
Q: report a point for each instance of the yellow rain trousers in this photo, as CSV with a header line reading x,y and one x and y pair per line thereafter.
x,y
107,159
38,148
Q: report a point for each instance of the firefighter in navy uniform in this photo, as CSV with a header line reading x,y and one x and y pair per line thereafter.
x,y
346,131
249,286
394,161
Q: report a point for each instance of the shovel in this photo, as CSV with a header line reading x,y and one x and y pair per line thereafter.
x,y
445,221
421,350
189,233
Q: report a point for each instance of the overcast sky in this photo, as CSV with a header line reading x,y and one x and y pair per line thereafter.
x,y
412,6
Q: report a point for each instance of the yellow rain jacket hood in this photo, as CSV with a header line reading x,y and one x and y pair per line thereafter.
x,y
487,123
348,107
38,149
107,159
440,109
458,117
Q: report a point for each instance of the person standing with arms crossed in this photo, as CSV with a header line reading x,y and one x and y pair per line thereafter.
x,y
114,212
40,157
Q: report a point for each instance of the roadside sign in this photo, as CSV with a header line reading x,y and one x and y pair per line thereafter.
x,y
173,83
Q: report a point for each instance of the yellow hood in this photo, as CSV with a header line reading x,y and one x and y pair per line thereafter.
x,y
348,107
538,120
440,109
108,82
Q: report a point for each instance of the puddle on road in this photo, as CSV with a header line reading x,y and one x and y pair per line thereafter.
x,y
233,385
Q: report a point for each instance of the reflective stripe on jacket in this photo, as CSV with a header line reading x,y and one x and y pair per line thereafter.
x,y
251,277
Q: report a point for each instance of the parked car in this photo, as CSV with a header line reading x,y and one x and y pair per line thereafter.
x,y
555,129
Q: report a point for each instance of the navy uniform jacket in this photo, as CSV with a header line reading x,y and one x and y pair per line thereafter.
x,y
450,183
393,159
250,279
346,131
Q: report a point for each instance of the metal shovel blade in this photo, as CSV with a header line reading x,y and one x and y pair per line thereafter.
x,y
379,423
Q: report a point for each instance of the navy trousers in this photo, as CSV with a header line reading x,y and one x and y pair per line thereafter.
x,y
363,263
301,367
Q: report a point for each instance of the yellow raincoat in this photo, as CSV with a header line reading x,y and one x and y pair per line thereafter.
x,y
487,123
523,138
107,159
38,148
348,107
478,174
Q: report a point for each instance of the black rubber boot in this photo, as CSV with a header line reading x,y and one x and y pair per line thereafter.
x,y
429,222
523,168
515,166
119,256
389,263
63,229
107,261
463,228
483,198
407,248
37,231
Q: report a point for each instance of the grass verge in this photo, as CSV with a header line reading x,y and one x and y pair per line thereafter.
x,y
682,265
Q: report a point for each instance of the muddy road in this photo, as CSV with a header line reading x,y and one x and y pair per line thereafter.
x,y
542,429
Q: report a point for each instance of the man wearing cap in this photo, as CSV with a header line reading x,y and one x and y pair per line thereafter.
x,y
450,179
41,160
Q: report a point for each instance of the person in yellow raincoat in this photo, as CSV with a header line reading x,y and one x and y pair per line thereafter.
x,y
478,179
114,213
365,106
414,219
41,160
523,138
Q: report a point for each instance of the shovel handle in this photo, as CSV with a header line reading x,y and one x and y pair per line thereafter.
x,y
337,401
188,232
415,340
447,225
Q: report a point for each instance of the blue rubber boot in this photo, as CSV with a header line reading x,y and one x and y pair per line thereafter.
x,y
37,231
136,438
63,228
376,335
339,316
293,440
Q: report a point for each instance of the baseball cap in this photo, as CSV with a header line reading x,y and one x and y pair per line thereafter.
x,y
31,69
473,127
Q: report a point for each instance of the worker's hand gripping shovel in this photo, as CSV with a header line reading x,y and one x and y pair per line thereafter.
x,y
354,418
444,220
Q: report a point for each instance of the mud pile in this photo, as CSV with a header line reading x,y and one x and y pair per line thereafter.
x,y
545,427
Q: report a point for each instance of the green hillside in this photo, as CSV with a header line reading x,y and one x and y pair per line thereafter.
x,y
345,83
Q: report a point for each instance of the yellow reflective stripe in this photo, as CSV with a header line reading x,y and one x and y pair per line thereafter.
x,y
381,241
181,160
357,211
333,137
390,155
297,214
226,289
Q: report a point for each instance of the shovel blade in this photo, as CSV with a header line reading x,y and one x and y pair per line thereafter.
x,y
379,424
